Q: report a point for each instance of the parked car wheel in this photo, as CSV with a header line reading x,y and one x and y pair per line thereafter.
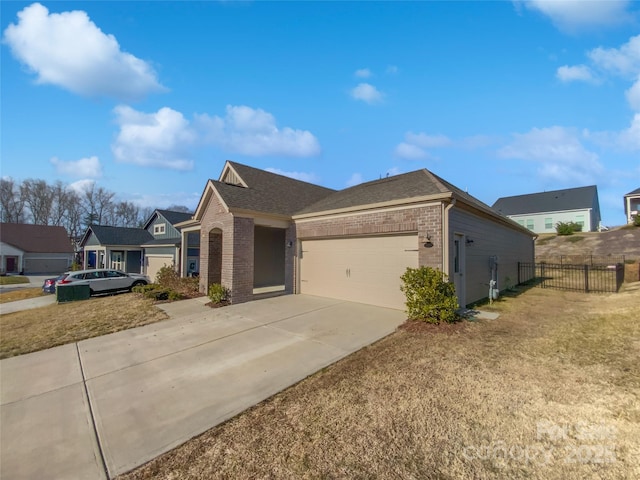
x,y
138,283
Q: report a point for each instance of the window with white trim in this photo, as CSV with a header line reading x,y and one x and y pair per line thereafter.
x,y
159,228
548,223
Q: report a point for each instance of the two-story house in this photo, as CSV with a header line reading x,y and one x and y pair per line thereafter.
x,y
541,212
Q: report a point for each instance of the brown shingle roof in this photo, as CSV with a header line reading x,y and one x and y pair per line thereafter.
x,y
399,187
36,238
268,192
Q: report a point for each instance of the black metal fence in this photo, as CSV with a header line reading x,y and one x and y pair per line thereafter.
x,y
578,278
585,259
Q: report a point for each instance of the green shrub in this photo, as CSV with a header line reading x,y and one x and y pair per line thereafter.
x,y
167,276
636,220
144,288
568,228
218,293
430,297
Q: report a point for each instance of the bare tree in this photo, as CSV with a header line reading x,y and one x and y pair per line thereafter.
x,y
179,208
73,214
144,215
127,214
11,202
38,197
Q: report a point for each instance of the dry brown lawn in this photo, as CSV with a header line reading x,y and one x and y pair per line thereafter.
x,y
548,391
40,328
20,294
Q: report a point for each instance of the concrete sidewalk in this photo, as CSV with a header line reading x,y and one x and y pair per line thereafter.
x,y
27,304
112,403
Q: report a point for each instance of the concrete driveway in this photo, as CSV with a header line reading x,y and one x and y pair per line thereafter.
x,y
106,405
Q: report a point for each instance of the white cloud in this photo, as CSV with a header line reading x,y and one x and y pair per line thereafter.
x,y
623,61
363,73
82,186
416,144
559,152
355,179
303,176
89,167
427,141
409,152
367,93
159,139
68,50
633,95
574,15
254,132
575,73
629,139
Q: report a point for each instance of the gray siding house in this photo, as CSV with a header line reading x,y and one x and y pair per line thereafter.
x,y
541,212
165,249
262,234
114,247
143,250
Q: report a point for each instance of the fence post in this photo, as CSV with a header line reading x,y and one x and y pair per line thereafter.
x,y
519,273
586,278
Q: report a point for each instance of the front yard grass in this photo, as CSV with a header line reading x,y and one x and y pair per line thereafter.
x,y
13,279
20,294
550,390
46,327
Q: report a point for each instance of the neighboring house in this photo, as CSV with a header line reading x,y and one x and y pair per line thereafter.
x,y
29,249
143,250
541,212
632,204
262,233
114,247
166,249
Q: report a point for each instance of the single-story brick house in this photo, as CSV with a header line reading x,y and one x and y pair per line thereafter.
x,y
26,248
262,233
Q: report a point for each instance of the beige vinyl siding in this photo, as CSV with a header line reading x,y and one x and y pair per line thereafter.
x,y
358,269
489,238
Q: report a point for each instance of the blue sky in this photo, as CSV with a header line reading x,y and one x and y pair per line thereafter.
x,y
148,99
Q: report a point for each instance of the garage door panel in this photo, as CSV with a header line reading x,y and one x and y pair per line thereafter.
x,y
154,264
363,269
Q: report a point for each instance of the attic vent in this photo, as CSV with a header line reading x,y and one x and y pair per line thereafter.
x,y
231,178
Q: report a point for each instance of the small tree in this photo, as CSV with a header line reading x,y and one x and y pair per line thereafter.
x,y
636,220
430,296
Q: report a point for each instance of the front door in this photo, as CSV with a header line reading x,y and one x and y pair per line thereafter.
x,y
116,260
459,268
11,264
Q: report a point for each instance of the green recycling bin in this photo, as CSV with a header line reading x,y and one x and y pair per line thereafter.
x,y
71,293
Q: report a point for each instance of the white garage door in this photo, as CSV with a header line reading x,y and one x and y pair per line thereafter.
x,y
154,264
363,269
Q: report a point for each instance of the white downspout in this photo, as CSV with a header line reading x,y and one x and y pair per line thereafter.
x,y
445,235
